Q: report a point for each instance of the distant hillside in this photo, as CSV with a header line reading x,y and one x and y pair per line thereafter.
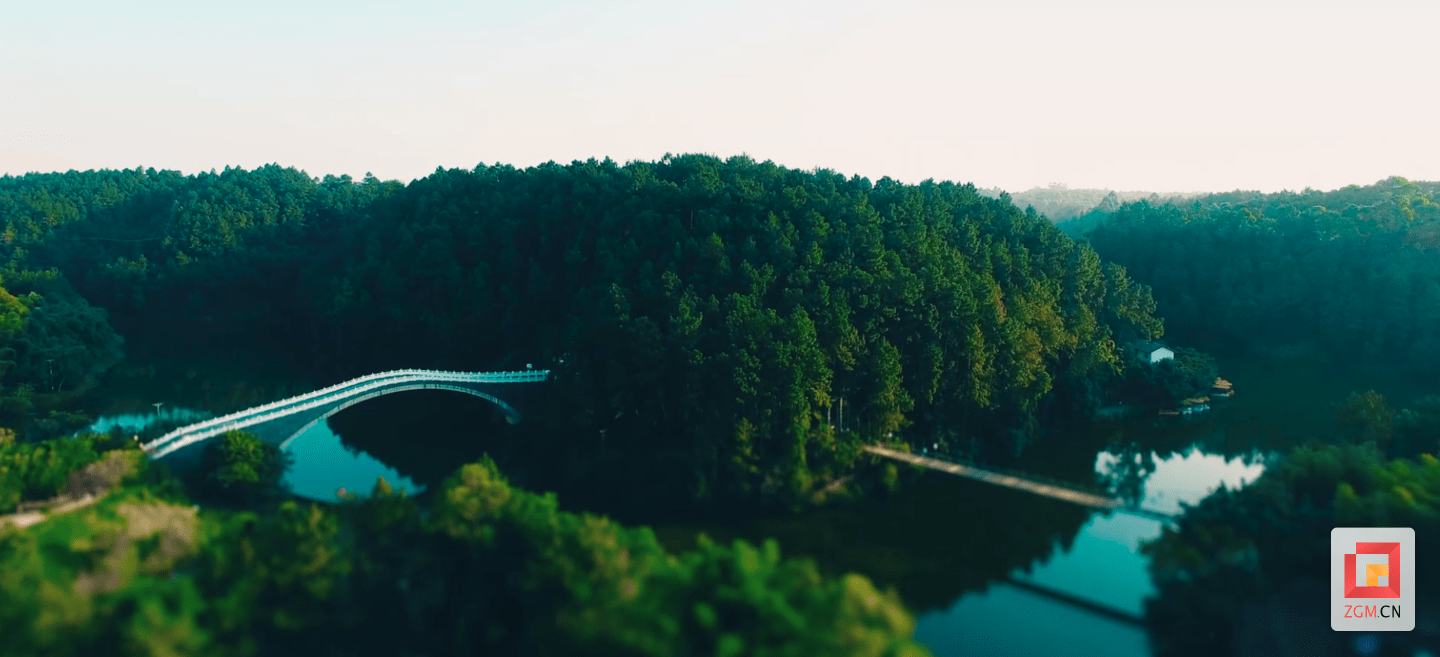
x,y
1351,274
1060,203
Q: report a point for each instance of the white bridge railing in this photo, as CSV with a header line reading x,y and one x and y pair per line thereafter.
x,y
192,433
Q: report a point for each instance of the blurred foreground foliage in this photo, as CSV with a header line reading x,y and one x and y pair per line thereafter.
x,y
481,568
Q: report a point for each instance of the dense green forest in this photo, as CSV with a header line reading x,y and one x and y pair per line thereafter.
x,y
1348,278
1351,275
724,330
727,328
720,331
54,348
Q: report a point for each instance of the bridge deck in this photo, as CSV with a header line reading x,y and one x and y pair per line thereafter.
x,y
1018,483
303,410
1009,481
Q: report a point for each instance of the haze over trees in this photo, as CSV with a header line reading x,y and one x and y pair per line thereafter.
x,y
1349,278
1062,204
1351,275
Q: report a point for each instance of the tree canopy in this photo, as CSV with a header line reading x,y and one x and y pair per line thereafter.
x,y
1351,275
728,326
483,567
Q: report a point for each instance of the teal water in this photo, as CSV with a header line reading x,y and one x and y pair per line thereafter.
x,y
947,544
1102,564
322,464
1007,621
138,421
964,605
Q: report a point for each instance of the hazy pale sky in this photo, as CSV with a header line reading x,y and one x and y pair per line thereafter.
x,y
1159,95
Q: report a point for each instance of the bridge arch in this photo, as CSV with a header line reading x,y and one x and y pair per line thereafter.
x,y
511,415
280,422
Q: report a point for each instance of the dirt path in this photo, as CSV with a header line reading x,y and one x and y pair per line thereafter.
x,y
84,488
30,518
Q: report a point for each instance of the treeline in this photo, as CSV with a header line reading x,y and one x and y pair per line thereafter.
x,y
483,568
725,327
185,261
1352,274
54,348
1061,204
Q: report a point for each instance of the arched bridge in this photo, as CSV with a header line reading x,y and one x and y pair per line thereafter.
x,y
280,422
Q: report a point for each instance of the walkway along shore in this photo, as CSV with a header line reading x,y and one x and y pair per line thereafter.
x,y
1018,483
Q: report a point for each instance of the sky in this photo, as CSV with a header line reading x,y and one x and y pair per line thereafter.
x,y
1154,95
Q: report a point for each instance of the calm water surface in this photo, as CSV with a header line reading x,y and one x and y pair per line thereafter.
x,y
1065,548
1102,565
323,463
949,546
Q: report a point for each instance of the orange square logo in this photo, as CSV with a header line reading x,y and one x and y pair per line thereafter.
x,y
1381,580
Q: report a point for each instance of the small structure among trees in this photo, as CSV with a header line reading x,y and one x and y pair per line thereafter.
x,y
1167,379
1154,352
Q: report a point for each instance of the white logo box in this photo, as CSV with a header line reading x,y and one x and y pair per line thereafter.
x,y
1372,614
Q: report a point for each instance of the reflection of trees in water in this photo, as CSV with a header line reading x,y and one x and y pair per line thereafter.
x,y
1238,573
1212,433
1065,451
1134,446
134,387
936,539
1126,475
425,435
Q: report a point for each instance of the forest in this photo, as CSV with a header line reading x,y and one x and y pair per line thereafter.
x,y
731,329
722,332
1351,276
1349,279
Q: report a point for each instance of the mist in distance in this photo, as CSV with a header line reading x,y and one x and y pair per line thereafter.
x,y
1163,96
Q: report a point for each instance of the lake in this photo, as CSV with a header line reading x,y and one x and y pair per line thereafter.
x,y
980,565
323,464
